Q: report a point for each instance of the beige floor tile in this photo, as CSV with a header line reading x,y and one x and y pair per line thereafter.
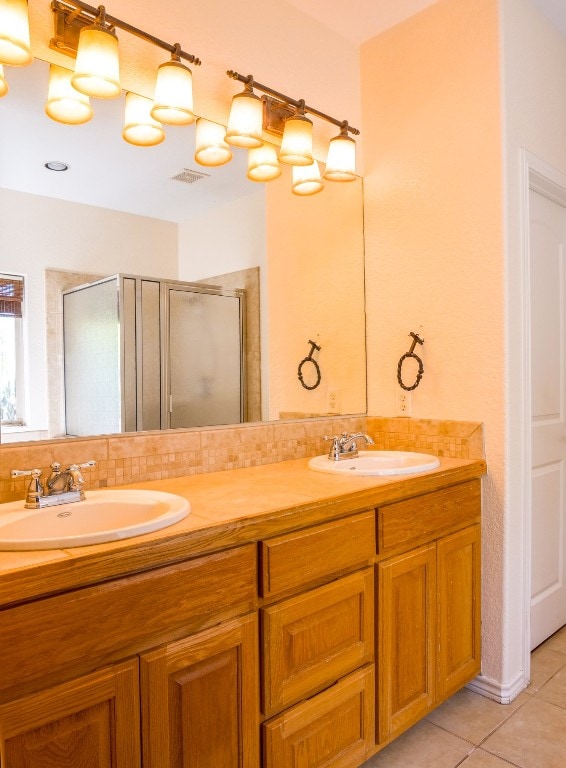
x,y
557,642
544,664
423,746
534,737
554,691
481,759
471,716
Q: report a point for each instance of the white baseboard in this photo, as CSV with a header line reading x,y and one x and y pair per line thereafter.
x,y
504,693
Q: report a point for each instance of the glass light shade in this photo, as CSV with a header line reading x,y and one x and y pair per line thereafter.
x,y
173,96
341,159
263,164
296,145
97,68
245,123
210,147
140,128
3,83
64,103
306,179
15,46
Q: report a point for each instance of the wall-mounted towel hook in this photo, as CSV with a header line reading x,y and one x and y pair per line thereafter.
x,y
310,359
411,353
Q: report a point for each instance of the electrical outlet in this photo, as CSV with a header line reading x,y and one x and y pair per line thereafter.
x,y
403,402
333,400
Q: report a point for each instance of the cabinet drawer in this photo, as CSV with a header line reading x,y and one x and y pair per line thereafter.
x,y
334,729
407,524
305,557
107,622
311,640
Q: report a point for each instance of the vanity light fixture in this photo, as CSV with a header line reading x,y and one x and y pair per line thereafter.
x,y
173,96
306,179
15,48
245,123
3,83
296,145
64,103
97,68
140,128
263,164
210,147
341,159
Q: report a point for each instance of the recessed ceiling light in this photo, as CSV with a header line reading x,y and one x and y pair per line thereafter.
x,y
56,165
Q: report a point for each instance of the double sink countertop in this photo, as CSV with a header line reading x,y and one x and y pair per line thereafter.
x,y
228,508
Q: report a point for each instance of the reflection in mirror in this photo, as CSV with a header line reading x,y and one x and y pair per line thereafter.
x,y
142,211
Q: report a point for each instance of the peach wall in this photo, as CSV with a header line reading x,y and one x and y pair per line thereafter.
x,y
434,238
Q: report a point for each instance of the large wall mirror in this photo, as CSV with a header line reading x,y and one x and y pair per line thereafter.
x,y
121,209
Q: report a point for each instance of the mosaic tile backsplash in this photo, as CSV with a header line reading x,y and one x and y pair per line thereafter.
x,y
131,458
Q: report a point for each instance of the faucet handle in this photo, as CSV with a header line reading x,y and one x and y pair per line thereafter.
x,y
335,449
35,473
91,463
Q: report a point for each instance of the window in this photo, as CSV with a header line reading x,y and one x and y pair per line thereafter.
x,y
11,378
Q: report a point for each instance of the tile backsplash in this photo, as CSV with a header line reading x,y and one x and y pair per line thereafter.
x,y
136,457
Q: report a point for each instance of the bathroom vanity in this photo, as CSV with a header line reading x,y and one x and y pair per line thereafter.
x,y
292,619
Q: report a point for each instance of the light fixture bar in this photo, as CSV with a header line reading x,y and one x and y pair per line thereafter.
x,y
299,104
70,7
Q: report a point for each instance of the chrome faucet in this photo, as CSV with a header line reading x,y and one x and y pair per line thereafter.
x,y
61,487
345,446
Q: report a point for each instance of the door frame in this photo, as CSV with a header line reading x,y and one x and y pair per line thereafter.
x,y
539,176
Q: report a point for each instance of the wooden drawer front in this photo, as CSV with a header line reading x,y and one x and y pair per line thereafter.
x,y
407,524
72,633
307,556
91,721
311,640
334,729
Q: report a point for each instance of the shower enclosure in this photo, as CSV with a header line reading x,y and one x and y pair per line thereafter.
x,y
142,354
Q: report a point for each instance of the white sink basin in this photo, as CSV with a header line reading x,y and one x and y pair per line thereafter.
x,y
377,463
103,516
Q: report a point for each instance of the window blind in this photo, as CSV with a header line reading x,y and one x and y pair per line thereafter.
x,y
11,296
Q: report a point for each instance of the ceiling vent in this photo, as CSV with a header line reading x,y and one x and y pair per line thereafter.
x,y
189,177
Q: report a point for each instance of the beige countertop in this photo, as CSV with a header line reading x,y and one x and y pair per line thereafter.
x,y
227,508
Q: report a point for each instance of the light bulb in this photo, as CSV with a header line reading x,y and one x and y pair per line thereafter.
x,y
15,48
173,97
210,147
140,128
97,67
64,103
306,179
3,83
296,145
245,123
263,164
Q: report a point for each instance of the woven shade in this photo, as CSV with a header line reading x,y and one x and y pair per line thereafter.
x,y
11,296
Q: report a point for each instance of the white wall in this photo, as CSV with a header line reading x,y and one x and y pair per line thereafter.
x,y
534,76
39,233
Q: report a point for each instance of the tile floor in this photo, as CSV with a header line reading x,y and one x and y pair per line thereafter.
x,y
471,731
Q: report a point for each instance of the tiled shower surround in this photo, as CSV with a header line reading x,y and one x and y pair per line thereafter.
x,y
131,458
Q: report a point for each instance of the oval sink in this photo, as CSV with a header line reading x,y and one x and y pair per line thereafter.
x,y
105,515
377,463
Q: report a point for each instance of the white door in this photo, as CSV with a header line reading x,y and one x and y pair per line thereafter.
x,y
548,380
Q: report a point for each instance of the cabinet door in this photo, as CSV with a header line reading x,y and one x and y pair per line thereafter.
x,y
459,621
311,640
200,700
92,721
406,639
332,730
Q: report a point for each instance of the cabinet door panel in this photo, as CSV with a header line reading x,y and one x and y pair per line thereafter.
x,y
91,722
459,630
200,700
311,640
332,730
406,639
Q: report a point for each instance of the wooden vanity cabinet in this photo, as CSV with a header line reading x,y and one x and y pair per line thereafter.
x,y
428,605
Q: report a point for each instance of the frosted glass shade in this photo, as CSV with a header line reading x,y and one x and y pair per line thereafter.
x,y
341,159
210,147
173,96
246,121
140,128
296,145
64,103
263,164
15,46
306,179
3,83
97,68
